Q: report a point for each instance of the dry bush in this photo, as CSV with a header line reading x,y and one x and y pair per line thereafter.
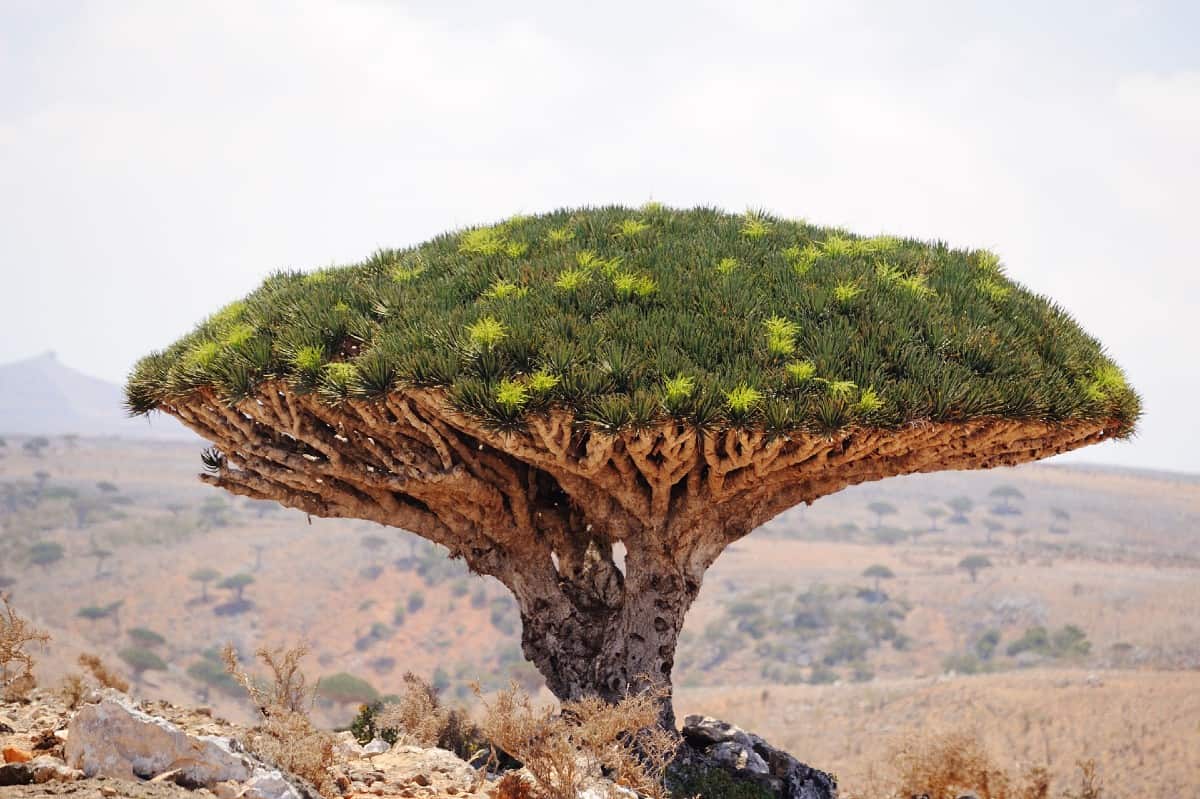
x,y
107,678
512,786
953,764
419,717
287,737
16,662
72,689
564,751
1089,783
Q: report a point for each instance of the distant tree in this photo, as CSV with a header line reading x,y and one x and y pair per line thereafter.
x,y
141,661
204,576
878,572
146,638
36,445
92,613
236,583
373,543
416,601
41,477
1036,640
440,681
214,512
86,509
45,554
934,513
1070,641
258,550
3,442
346,689
1006,494
973,564
211,674
881,509
960,507
105,487
100,554
985,647
991,527
175,508
71,440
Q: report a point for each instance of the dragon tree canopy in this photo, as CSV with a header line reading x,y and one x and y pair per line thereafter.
x,y
530,393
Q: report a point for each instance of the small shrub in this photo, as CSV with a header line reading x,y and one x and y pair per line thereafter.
x,y
92,665
72,689
287,737
418,716
562,752
16,662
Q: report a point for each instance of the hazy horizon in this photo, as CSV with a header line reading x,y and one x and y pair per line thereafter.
x,y
159,161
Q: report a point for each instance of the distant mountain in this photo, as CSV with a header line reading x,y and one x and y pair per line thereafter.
x,y
41,395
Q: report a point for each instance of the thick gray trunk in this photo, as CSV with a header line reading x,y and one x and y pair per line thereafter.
x,y
611,642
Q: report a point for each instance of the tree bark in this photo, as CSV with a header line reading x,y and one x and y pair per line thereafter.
x,y
612,636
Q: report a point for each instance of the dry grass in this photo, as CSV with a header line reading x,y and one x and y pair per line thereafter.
x,y
956,763
16,661
1138,727
287,736
563,752
103,675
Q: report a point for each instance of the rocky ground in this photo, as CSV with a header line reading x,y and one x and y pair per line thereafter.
x,y
112,746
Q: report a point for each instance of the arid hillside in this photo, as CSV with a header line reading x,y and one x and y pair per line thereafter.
x,y
1050,608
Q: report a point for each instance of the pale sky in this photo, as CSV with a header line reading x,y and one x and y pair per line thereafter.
x,y
157,160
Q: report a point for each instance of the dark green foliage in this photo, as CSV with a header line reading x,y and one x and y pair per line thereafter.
x,y
142,660
236,583
1067,641
346,689
93,613
146,638
713,784
985,647
211,673
973,564
363,727
698,315
45,553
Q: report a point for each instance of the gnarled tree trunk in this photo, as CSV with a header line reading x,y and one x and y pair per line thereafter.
x,y
602,633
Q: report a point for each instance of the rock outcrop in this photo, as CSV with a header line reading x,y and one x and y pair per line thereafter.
x,y
718,744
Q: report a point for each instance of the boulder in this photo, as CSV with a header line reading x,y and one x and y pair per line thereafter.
x,y
717,744
735,756
403,764
115,739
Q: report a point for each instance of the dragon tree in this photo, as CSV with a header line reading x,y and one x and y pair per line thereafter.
x,y
537,394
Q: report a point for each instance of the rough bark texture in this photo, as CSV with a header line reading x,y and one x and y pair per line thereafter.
x,y
542,509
